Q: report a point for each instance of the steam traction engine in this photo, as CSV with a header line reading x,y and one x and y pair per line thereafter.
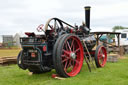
x,y
60,48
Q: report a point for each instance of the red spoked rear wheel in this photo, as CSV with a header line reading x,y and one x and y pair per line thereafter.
x,y
69,56
100,56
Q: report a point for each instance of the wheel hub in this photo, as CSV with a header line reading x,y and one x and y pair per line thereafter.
x,y
73,55
103,56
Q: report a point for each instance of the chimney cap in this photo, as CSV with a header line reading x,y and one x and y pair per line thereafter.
x,y
87,7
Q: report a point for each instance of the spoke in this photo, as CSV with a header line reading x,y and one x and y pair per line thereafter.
x,y
100,55
50,26
66,46
77,62
73,62
64,60
63,56
69,46
57,25
78,49
72,44
54,24
71,67
69,64
73,48
101,52
101,59
65,66
66,52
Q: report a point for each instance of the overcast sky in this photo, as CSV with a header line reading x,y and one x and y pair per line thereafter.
x,y
26,15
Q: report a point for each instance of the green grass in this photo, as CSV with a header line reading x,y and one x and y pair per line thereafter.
x,y
9,52
111,74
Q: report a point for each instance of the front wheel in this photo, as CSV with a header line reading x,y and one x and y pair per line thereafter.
x,y
100,56
69,56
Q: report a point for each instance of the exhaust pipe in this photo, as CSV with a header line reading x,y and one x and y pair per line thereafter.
x,y
87,16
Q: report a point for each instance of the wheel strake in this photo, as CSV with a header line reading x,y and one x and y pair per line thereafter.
x,y
55,52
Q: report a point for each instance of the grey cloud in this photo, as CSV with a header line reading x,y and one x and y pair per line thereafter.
x,y
104,2
110,22
19,15
11,4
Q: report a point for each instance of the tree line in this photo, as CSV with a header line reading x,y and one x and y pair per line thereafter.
x,y
118,28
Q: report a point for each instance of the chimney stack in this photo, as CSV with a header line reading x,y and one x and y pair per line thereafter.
x,y
87,16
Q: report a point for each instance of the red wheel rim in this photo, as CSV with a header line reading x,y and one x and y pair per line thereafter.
x,y
72,56
102,56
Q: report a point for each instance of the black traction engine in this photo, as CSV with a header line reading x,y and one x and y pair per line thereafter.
x,y
60,47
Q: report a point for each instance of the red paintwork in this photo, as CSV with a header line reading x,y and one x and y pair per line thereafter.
x,y
33,55
40,28
71,30
72,66
92,52
44,48
30,34
102,60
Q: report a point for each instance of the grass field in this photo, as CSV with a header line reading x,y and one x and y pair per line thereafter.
x,y
111,74
9,52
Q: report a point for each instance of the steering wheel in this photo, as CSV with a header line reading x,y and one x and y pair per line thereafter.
x,y
40,28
